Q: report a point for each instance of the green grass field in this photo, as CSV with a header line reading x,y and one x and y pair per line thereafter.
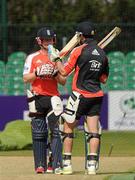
x,y
17,136
121,143
15,141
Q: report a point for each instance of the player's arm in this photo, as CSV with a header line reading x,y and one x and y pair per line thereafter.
x,y
29,77
61,69
61,79
69,66
28,74
105,72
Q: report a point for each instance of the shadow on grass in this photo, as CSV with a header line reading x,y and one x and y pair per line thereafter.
x,y
113,173
104,173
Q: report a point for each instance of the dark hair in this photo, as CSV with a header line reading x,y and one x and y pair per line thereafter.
x,y
86,28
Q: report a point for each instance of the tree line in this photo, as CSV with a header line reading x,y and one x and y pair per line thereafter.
x,y
67,11
24,18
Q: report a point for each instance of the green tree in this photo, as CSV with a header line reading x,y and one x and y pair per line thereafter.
x,y
63,11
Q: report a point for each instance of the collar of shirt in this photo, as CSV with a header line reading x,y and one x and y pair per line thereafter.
x,y
90,41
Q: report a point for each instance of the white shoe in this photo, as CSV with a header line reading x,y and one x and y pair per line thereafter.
x,y
91,167
67,167
58,171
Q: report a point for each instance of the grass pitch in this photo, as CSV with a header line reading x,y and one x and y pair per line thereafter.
x,y
22,168
17,136
117,160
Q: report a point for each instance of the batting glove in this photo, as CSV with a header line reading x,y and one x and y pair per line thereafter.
x,y
53,54
45,70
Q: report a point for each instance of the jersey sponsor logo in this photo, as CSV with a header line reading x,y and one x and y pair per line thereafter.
x,y
95,52
94,65
39,61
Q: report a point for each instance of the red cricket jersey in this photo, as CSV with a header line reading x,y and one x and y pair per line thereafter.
x,y
46,86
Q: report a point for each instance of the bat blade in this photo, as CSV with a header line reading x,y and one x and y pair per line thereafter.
x,y
107,39
70,45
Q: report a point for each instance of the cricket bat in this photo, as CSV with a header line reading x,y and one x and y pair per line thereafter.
x,y
70,45
109,37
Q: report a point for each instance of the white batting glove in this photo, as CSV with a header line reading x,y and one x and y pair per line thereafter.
x,y
53,53
45,70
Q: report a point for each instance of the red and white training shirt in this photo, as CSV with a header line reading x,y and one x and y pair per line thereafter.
x,y
46,86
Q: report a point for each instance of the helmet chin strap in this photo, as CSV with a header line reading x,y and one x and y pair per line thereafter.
x,y
39,42
42,46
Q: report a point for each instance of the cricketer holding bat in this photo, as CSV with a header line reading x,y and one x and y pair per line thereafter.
x,y
45,105
91,69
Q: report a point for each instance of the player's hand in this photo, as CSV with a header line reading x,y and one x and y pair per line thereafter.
x,y
45,70
53,53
